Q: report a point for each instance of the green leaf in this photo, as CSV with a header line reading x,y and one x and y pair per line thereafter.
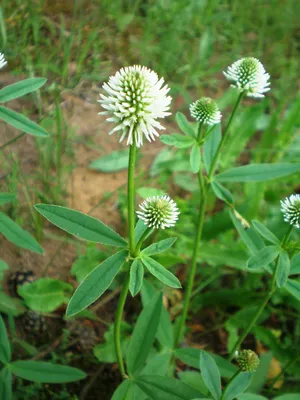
x,y
15,234
80,225
5,384
166,388
194,379
46,294
30,350
293,287
191,356
265,232
249,236
9,305
160,272
165,329
290,396
158,247
184,125
37,371
250,396
177,140
115,161
5,351
237,386
258,172
260,375
146,192
195,158
295,265
210,374
263,257
157,365
21,122
96,282
136,276
283,269
222,193
211,145
86,262
21,88
7,198
144,334
139,230
123,392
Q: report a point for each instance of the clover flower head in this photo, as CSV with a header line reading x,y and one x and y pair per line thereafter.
x,y
249,76
290,208
205,110
3,62
159,212
248,360
135,99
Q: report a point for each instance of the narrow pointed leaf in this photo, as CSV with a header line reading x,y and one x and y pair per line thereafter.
x,y
95,283
238,385
18,236
184,125
295,265
21,122
5,384
258,172
21,88
136,276
7,198
263,257
123,392
37,371
283,270
210,374
158,247
265,232
161,272
195,158
166,388
211,145
222,193
139,230
5,351
144,334
293,287
177,140
81,225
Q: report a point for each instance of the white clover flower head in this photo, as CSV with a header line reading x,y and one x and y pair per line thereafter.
x,y
135,99
205,110
159,212
290,208
249,76
3,62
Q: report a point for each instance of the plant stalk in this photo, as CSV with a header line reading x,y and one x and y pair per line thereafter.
x,y
203,201
117,330
264,302
124,292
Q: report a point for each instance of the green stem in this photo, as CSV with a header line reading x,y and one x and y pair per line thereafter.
x,y
192,272
203,201
264,302
117,330
12,140
131,197
224,137
131,223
